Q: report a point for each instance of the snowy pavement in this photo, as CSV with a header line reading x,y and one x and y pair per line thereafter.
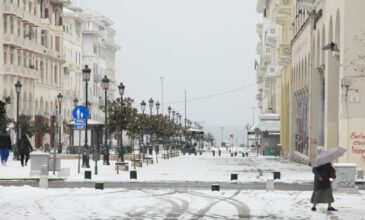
x,y
68,204
204,168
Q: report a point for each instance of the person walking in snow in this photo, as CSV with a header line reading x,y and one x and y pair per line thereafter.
x,y
24,149
5,146
322,191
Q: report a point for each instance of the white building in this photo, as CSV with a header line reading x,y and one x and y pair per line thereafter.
x,y
31,51
99,51
73,53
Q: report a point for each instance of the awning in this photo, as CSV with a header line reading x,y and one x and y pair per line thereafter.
x,y
270,125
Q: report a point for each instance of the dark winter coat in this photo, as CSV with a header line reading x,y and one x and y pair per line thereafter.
x,y
5,141
24,145
324,172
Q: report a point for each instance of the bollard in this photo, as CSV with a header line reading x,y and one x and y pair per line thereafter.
x,y
43,182
219,152
276,175
213,153
235,154
246,154
133,174
215,187
270,185
99,186
243,154
87,174
231,154
195,153
200,153
234,176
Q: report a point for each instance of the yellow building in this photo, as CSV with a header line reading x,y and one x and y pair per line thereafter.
x,y
274,69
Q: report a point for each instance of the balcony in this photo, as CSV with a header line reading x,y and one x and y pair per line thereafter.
x,y
20,71
266,55
280,19
12,9
27,17
31,19
284,54
272,36
284,8
272,71
306,4
11,39
32,46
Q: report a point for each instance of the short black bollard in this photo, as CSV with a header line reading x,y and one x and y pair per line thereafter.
x,y
234,176
235,154
200,153
243,154
231,154
215,187
246,154
213,153
99,186
219,152
195,153
133,174
87,174
276,175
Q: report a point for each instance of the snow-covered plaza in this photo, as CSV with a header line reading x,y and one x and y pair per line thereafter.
x,y
170,202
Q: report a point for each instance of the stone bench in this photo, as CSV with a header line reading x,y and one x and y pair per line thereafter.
x,y
165,156
148,160
121,166
137,163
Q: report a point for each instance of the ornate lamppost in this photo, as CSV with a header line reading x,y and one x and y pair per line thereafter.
x,y
157,106
18,88
86,74
105,85
59,98
150,102
121,89
143,108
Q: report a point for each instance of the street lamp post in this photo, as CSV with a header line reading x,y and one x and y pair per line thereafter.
x,y
150,102
59,98
18,88
121,89
143,108
169,111
76,101
157,106
86,73
105,85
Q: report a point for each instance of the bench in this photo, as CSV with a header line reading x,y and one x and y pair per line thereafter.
x,y
137,163
121,166
148,160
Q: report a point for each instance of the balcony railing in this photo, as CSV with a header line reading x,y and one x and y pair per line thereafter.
x,y
26,16
11,39
21,71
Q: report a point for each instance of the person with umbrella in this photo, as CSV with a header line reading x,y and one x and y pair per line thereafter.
x,y
323,171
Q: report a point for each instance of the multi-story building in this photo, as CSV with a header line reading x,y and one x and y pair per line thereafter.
x,y
273,72
31,51
73,52
327,75
321,95
99,51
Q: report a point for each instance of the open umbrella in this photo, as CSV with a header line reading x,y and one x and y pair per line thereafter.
x,y
328,156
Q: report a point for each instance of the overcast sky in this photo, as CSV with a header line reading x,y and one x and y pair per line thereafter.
x,y
205,47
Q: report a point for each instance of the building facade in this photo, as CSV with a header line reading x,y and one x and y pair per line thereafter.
x,y
31,52
323,92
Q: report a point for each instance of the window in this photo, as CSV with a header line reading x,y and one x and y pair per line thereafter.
x,y
5,23
11,24
5,56
44,38
42,70
55,73
11,55
58,43
19,28
19,58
